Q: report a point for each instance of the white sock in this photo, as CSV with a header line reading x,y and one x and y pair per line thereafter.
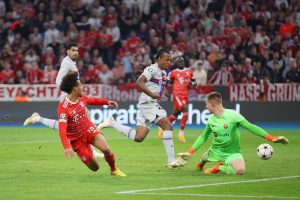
x,y
93,148
181,132
124,130
51,123
169,145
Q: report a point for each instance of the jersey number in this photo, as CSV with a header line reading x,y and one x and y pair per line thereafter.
x,y
91,130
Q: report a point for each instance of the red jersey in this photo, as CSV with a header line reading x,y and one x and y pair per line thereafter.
x,y
73,119
181,81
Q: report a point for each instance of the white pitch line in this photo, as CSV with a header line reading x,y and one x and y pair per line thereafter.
x,y
30,142
217,195
206,185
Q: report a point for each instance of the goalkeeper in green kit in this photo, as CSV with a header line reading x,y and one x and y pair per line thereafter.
x,y
224,125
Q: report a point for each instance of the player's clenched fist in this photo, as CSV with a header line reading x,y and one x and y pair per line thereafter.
x,y
113,104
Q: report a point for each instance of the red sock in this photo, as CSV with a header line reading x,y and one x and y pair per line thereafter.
x,y
110,159
183,120
172,118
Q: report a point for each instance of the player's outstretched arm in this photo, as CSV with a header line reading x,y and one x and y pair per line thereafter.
x,y
197,144
62,120
96,101
63,136
262,133
100,101
276,139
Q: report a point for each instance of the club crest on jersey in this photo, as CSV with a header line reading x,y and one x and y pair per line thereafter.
x,y
225,126
150,69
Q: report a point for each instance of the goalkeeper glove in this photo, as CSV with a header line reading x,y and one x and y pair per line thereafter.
x,y
277,139
187,154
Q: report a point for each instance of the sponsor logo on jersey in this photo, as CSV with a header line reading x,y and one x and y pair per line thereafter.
x,y
221,134
181,80
75,118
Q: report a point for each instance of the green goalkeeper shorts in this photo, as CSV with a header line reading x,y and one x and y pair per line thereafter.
x,y
225,158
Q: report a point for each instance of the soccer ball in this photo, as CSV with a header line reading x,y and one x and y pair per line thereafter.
x,y
265,151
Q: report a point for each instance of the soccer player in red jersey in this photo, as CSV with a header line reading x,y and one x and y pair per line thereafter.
x,y
181,78
76,129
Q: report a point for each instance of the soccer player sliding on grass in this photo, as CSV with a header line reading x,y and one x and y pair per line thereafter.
x,y
76,129
225,124
68,64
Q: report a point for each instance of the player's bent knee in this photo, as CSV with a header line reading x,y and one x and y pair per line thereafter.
x,y
239,171
176,113
139,139
168,127
185,109
94,169
93,166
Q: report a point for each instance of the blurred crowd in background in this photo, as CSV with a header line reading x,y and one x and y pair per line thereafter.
x,y
223,41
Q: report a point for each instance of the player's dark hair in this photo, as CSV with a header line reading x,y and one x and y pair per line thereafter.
x,y
68,82
215,96
71,45
179,62
160,53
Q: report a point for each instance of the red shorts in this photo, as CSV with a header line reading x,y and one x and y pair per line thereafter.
x,y
180,102
82,147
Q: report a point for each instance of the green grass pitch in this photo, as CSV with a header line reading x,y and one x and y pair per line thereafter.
x,y
32,166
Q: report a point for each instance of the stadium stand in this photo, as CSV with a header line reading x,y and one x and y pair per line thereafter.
x,y
224,41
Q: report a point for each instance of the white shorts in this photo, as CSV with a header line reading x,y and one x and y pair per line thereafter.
x,y
150,112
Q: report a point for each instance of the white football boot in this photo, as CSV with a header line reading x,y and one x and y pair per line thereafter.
x,y
32,119
106,123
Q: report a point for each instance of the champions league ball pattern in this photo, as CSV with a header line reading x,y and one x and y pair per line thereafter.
x,y
265,151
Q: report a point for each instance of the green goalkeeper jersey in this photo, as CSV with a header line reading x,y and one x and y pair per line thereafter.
x,y
226,132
